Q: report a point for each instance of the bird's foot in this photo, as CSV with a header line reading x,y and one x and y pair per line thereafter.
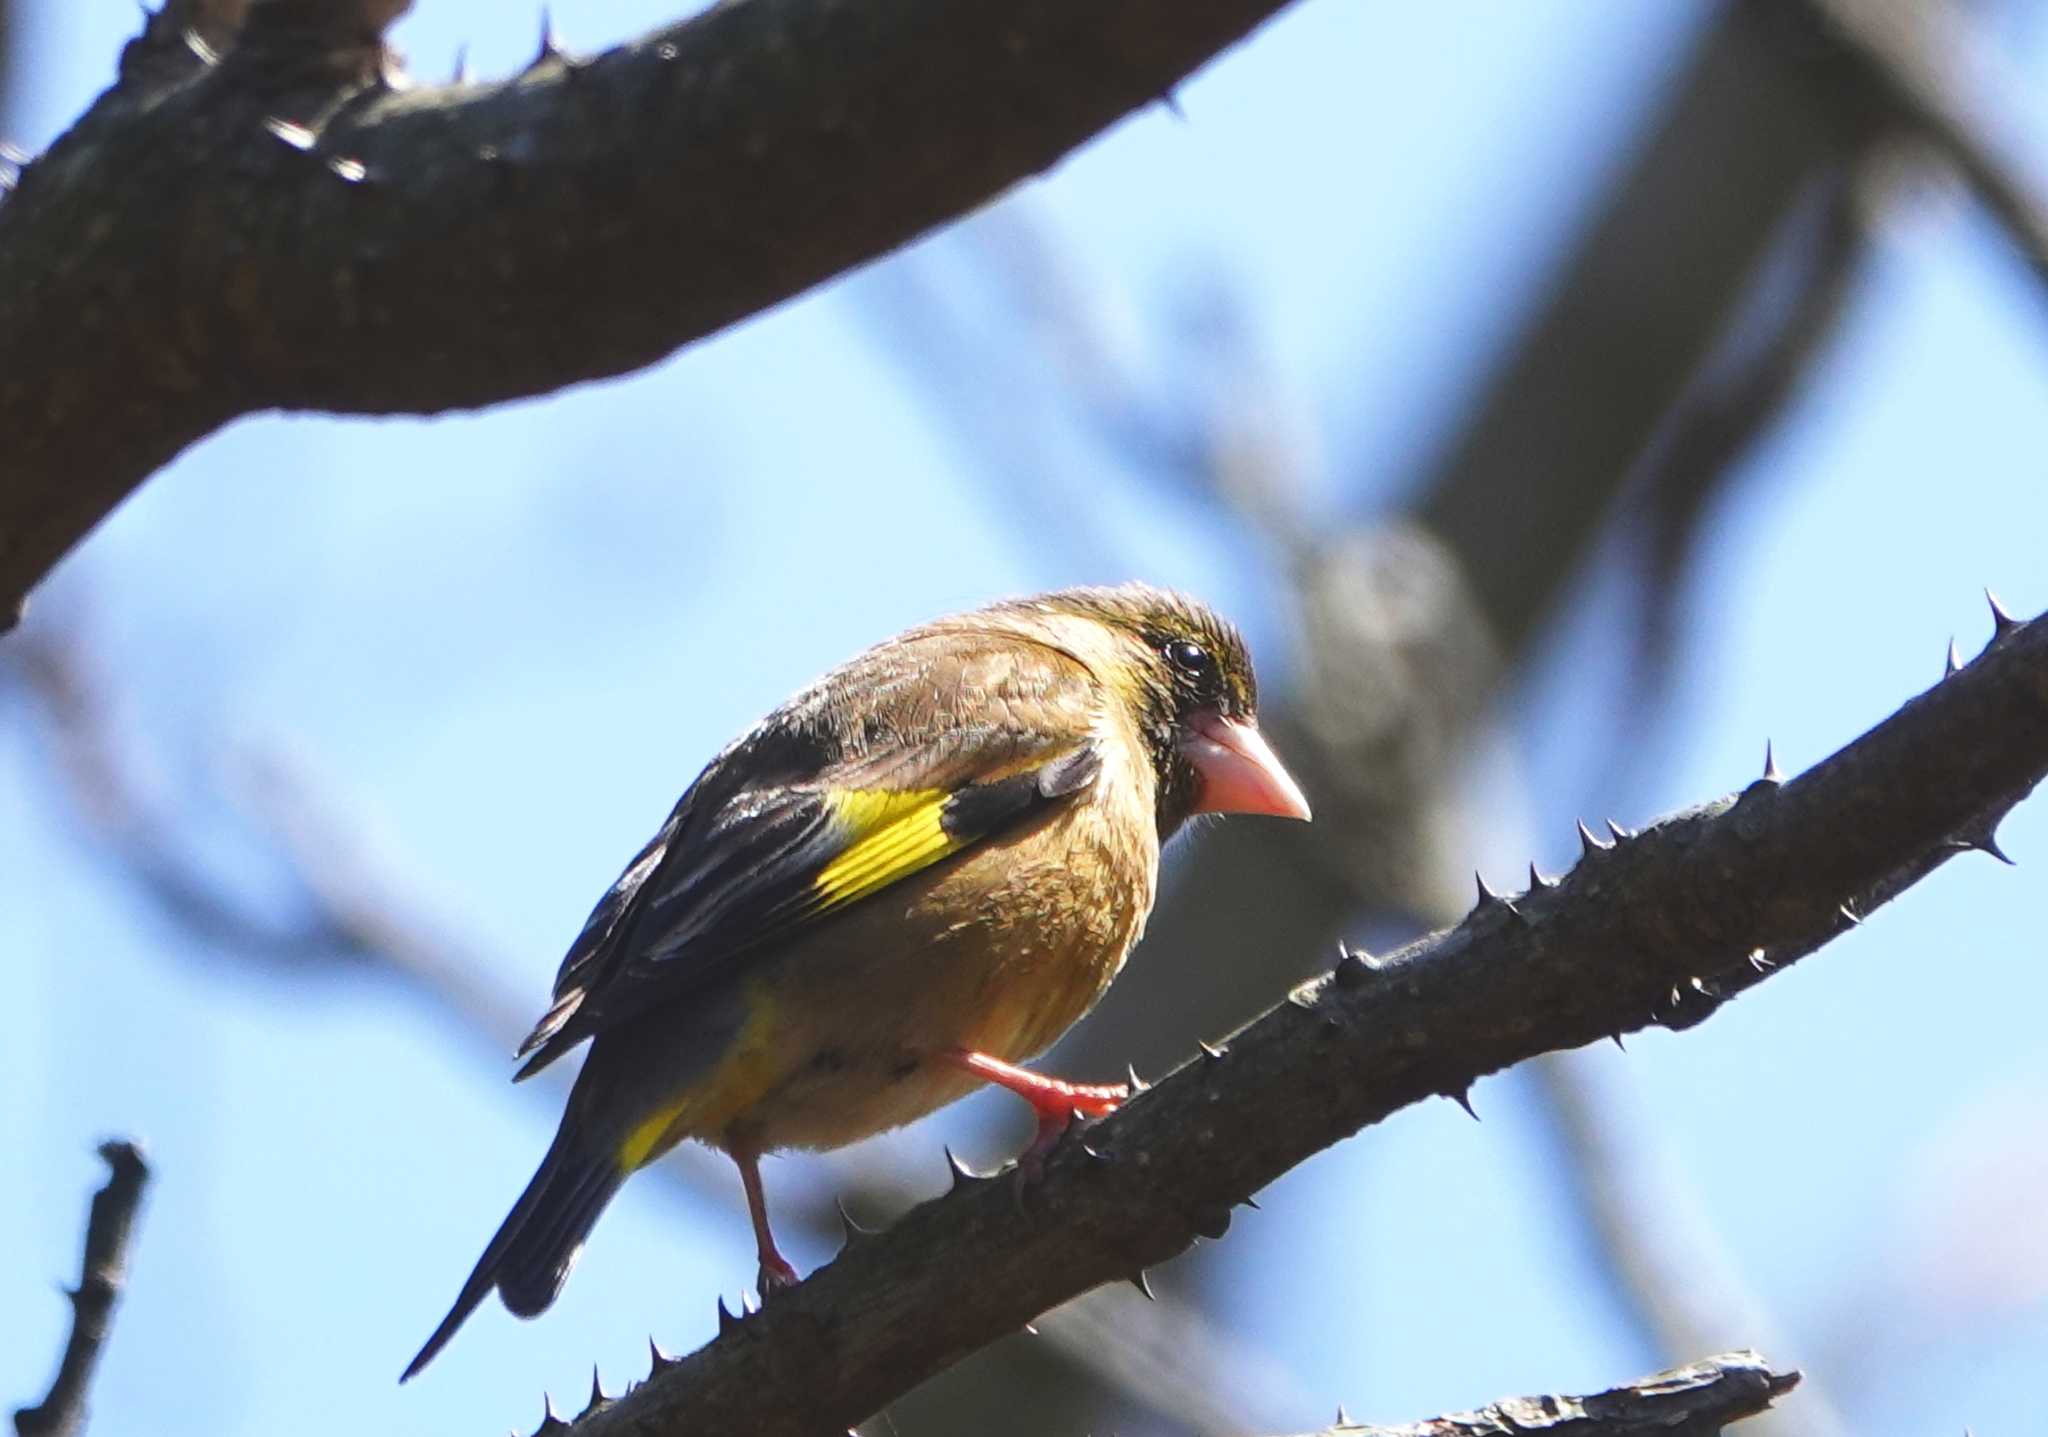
x,y
1056,1102
776,1275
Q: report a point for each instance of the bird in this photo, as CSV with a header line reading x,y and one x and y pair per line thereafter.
x,y
904,882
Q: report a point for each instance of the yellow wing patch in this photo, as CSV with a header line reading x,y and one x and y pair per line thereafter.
x,y
894,834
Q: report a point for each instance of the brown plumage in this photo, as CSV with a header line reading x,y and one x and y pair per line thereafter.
x,y
912,876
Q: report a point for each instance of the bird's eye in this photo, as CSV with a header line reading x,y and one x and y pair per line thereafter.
x,y
1192,660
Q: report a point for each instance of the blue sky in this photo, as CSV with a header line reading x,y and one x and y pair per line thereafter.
x,y
498,645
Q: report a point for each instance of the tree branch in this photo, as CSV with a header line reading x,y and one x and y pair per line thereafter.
x,y
1906,54
279,231
1659,928
1763,114
108,1227
1696,1400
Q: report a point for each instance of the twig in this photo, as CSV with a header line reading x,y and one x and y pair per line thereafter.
x,y
1697,1400
1659,928
108,1227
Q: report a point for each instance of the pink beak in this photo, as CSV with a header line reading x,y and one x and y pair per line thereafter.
x,y
1240,772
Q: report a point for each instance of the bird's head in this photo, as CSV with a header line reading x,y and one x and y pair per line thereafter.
x,y
1187,675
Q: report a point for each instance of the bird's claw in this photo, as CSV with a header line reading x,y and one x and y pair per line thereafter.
x,y
776,1275
1086,1103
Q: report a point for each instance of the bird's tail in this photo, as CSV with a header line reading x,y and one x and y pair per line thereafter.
x,y
537,1244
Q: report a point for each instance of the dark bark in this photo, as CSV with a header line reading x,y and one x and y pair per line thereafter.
x,y
109,1225
283,231
1696,1400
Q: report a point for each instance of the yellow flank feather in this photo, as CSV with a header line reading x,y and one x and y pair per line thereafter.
x,y
895,833
750,1068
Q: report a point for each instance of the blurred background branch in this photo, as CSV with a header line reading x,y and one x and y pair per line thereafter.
x,y
1947,87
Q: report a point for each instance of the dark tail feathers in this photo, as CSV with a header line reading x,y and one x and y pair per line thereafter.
x,y
529,1259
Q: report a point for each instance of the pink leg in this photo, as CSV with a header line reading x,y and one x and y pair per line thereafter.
x,y
1056,1102
776,1272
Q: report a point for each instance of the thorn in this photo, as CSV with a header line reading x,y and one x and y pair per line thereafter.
x,y
1989,844
1588,843
1143,1284
1771,771
657,1360
1537,882
1343,1417
550,1419
1486,895
550,44
853,1232
1985,840
1171,99
1095,1155
1029,1330
1759,962
1343,950
1620,834
1251,1202
963,1175
1138,1084
1954,662
1849,913
2002,621
1210,1051
1617,1042
727,1318
1705,989
297,136
1463,1098
461,72
597,1397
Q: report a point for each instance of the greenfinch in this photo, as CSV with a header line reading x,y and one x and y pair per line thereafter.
x,y
912,876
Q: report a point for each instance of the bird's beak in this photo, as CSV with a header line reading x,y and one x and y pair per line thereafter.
x,y
1240,772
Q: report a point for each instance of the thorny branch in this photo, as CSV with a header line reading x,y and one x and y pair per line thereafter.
x,y
109,1225
1696,1400
285,229
1657,928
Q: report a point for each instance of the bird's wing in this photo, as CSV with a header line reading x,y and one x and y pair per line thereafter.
x,y
904,758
